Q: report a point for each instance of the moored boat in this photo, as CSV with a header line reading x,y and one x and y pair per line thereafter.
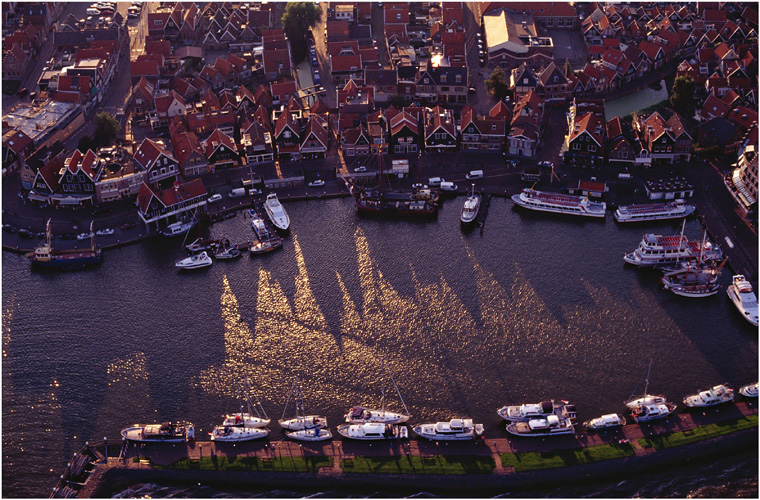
x,y
231,434
206,244
719,394
560,203
167,432
552,425
227,253
312,434
654,211
243,425
372,431
456,429
609,421
276,212
657,250
648,412
300,420
741,294
471,207
196,261
749,390
178,228
525,412
259,247
47,257
360,414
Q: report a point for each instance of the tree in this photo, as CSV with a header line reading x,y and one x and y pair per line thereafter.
x,y
296,21
397,101
106,128
682,97
85,143
496,84
568,68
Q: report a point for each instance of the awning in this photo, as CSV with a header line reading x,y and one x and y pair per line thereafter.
x,y
37,197
71,200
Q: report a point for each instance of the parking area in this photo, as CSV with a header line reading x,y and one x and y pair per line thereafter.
x,y
568,45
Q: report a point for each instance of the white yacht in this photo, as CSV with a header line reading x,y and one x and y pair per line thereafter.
x,y
196,261
654,211
741,294
312,434
373,431
234,434
456,429
719,394
167,432
560,203
244,420
525,412
647,412
471,207
552,425
276,212
244,425
300,420
608,421
179,227
749,390
361,415
646,399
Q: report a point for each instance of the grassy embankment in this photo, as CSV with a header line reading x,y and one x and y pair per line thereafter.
x,y
252,464
536,460
437,464
698,433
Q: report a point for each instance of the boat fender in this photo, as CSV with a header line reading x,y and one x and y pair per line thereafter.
x,y
190,433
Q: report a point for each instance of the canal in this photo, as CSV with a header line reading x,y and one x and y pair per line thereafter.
x,y
536,306
627,104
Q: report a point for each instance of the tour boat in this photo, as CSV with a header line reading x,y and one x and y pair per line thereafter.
x,y
525,412
609,421
46,257
470,207
361,415
167,432
658,250
560,203
196,261
741,294
232,434
276,212
456,429
179,227
373,431
648,412
654,211
749,390
552,425
719,394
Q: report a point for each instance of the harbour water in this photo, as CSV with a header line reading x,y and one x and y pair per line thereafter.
x,y
536,306
627,104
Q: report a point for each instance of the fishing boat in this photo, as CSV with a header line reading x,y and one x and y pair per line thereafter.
x,y
749,390
719,394
178,228
196,261
560,203
525,412
471,207
456,429
303,425
361,415
552,425
741,294
167,432
658,250
372,431
247,424
47,257
609,421
654,211
276,212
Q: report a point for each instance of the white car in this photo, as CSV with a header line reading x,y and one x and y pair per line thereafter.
x,y
214,198
361,168
317,183
83,236
104,232
546,164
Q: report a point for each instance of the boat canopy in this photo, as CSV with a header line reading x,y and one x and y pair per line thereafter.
x,y
357,411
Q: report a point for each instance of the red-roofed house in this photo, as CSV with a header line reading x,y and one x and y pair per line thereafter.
x,y
159,163
713,107
404,134
144,68
256,143
287,136
221,151
481,133
587,132
314,138
14,63
440,129
355,141
159,209
167,106
276,60
666,141
77,180
190,156
17,146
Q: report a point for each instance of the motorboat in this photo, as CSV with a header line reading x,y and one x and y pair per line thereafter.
x,y
313,434
276,212
166,432
259,247
654,211
609,421
749,390
196,261
361,415
227,253
560,203
232,434
741,294
178,228
456,429
552,425
471,207
525,412
648,412
719,394
373,431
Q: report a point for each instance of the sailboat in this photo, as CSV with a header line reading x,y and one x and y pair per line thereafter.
x,y
45,256
694,281
303,427
471,207
362,415
244,425
647,407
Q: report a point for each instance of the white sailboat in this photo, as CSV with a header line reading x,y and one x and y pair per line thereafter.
x,y
276,212
244,425
362,415
647,407
303,427
643,399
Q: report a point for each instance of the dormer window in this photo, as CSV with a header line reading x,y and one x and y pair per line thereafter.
x,y
444,78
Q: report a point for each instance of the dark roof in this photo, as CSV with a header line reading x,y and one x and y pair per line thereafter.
x,y
718,129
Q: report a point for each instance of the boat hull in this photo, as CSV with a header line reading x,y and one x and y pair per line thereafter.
x,y
69,262
433,433
610,421
238,434
376,417
557,210
522,429
720,394
308,422
148,434
749,390
373,432
623,215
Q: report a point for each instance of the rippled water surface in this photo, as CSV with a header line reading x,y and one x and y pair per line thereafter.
x,y
535,307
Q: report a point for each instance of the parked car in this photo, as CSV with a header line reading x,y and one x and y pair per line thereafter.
x,y
546,164
93,12
127,226
83,236
317,183
419,185
25,234
214,198
360,168
66,236
10,228
104,232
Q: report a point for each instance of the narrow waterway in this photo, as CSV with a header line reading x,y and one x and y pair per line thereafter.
x,y
624,106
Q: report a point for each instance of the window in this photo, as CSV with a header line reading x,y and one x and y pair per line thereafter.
x,y
158,22
576,146
591,147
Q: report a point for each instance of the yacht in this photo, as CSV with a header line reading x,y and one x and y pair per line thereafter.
x,y
638,401
719,394
647,412
312,434
471,207
741,294
361,415
259,247
167,432
608,421
552,425
456,429
196,261
654,211
243,425
658,250
749,390
373,431
560,203
234,434
300,420
179,227
276,212
525,412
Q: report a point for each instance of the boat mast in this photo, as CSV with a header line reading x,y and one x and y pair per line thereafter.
x,y
92,237
47,234
287,401
646,383
383,397
398,392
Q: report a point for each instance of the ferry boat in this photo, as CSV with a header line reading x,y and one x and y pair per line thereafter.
x,y
749,390
361,415
178,228
46,257
456,429
167,432
741,294
196,261
373,431
560,203
470,208
657,250
609,421
719,394
276,212
552,425
525,412
654,211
